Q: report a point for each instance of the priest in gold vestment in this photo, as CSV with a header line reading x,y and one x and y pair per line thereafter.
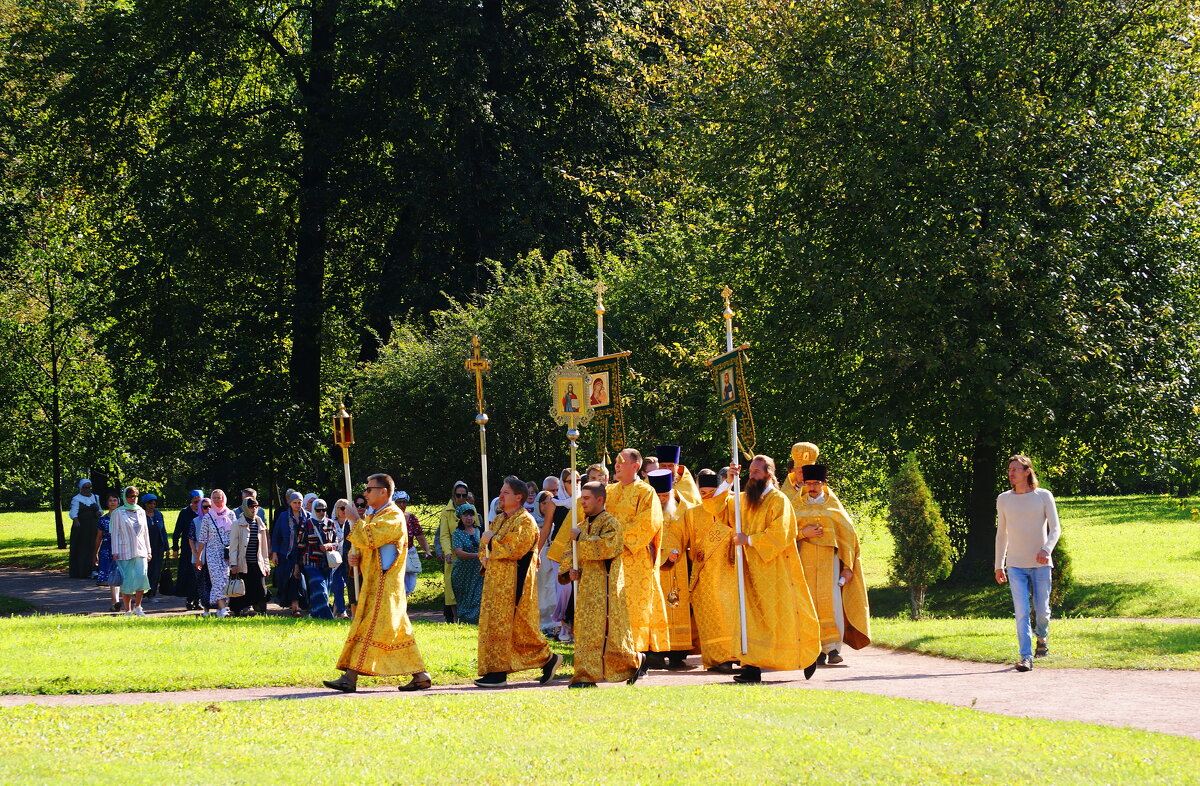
x,y
829,553
634,504
781,626
380,641
673,568
509,638
713,587
604,649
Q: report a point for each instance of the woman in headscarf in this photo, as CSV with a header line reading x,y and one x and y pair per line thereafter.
x,y
85,512
212,540
183,539
342,584
464,576
106,568
160,544
315,538
248,559
131,550
288,587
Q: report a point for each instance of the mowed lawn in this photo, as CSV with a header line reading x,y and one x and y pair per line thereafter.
x,y
68,654
715,733
1134,556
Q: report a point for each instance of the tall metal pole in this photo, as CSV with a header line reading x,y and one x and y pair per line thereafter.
x,y
343,437
479,364
737,480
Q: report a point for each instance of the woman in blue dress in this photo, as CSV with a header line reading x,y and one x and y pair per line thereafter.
x,y
464,577
106,566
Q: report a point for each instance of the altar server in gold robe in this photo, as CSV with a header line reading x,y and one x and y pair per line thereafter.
x,y
604,649
829,553
781,631
673,567
713,587
803,454
685,489
509,639
380,641
634,504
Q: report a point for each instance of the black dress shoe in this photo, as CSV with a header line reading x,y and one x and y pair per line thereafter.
x,y
643,667
342,684
495,679
749,675
821,659
550,667
582,685
655,660
810,670
728,667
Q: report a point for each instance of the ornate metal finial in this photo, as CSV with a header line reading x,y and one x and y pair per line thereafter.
x,y
478,364
600,289
727,293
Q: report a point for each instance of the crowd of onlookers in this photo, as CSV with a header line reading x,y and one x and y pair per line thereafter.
x,y
225,559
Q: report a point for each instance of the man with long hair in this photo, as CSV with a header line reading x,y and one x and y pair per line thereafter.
x,y
1027,530
782,631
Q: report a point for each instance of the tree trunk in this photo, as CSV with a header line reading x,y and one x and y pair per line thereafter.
x,y
317,143
55,415
916,602
976,560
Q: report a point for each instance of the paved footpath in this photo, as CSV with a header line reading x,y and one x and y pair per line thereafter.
x,y
1162,701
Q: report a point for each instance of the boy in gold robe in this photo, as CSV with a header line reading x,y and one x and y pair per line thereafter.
x,y
509,639
782,632
829,553
633,503
380,641
604,649
713,588
673,567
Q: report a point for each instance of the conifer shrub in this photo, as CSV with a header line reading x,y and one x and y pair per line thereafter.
x,y
923,554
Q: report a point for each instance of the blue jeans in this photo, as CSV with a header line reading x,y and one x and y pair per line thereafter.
x,y
1021,581
318,592
337,586
410,582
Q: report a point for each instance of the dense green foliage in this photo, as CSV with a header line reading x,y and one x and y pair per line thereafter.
x,y
961,231
922,552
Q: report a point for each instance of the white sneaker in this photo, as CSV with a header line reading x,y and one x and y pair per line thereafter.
x,y
222,612
129,614
137,610
206,613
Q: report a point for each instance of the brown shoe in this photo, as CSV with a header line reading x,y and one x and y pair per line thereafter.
x,y
421,683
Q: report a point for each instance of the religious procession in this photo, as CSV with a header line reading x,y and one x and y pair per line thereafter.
x,y
637,571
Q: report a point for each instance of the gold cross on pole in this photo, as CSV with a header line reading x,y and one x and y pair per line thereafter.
x,y
479,364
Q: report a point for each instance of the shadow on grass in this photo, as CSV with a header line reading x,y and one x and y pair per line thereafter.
x,y
36,553
1104,599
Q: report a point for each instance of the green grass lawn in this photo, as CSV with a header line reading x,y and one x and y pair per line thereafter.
x,y
716,733
61,654
1135,556
1074,643
10,606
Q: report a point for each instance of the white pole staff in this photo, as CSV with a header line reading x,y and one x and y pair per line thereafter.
x,y
350,497
573,435
737,480
343,437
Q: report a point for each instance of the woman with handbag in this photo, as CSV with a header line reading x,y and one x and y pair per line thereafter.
x,y
213,535
248,561
317,555
341,584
